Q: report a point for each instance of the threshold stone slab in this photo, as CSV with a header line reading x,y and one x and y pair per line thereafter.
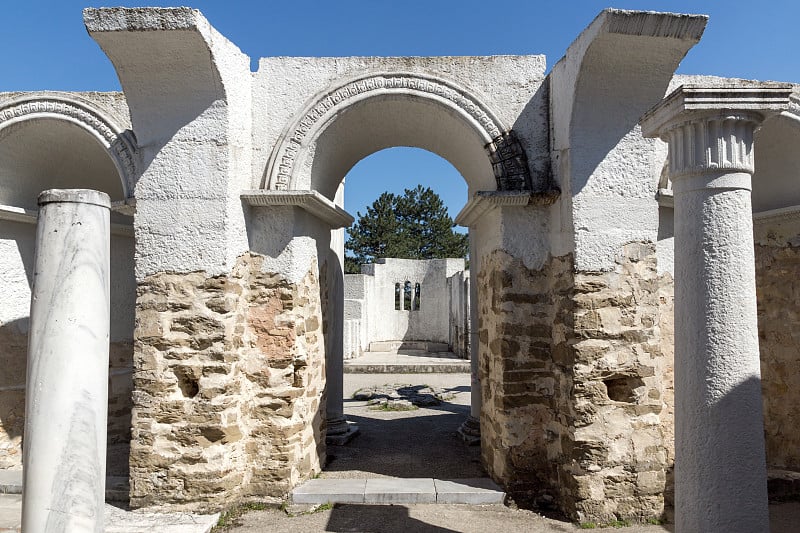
x,y
475,491
319,491
397,490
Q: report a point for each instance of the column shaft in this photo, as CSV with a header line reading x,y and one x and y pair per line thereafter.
x,y
64,452
720,469
338,430
470,429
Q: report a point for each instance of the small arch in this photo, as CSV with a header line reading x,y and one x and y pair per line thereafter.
x,y
407,298
416,297
777,161
118,143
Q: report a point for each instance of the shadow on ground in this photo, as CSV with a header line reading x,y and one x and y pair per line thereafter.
x,y
408,444
392,519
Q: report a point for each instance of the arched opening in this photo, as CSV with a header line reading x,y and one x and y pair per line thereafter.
x,y
374,128
45,152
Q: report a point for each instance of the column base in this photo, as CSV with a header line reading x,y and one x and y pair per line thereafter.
x,y
340,431
470,431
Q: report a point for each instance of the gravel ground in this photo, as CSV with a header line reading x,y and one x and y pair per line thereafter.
x,y
439,518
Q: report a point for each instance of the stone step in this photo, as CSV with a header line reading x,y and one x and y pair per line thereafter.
x,y
394,346
402,368
477,491
117,487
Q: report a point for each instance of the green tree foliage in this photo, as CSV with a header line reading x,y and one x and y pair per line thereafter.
x,y
414,225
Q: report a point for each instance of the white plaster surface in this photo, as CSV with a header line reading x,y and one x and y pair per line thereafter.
x,y
617,69
507,87
372,296
186,87
66,404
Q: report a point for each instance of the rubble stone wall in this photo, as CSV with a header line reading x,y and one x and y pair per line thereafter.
x,y
228,382
622,450
525,372
13,360
575,397
777,253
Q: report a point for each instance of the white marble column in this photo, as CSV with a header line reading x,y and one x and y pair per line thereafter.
x,y
720,467
339,431
64,453
470,429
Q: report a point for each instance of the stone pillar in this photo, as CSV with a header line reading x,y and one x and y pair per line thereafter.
x,y
470,429
64,452
720,467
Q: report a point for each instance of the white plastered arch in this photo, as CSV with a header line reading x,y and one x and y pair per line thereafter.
x,y
104,128
777,161
289,165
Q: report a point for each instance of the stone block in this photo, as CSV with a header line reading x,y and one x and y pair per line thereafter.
x,y
320,491
394,490
478,491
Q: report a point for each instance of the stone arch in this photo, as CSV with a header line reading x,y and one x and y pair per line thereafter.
x,y
777,161
505,158
118,143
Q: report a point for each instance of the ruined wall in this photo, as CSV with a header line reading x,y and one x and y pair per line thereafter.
x,y
622,450
526,373
228,380
16,267
13,358
777,254
373,294
574,400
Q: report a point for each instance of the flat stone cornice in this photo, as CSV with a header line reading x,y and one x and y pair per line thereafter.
x,y
694,102
141,18
310,201
484,201
773,215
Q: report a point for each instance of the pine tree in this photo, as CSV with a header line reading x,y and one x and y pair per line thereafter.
x,y
415,225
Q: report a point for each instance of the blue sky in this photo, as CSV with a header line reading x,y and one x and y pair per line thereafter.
x,y
45,46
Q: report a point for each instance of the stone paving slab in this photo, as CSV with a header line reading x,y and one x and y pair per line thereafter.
x,y
121,521
319,491
400,490
10,512
118,520
477,491
11,481
117,487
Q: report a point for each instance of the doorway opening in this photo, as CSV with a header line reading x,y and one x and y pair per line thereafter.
x,y
406,371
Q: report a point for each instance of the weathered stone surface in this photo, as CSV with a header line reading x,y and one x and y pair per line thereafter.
x,y
574,397
228,387
778,294
13,360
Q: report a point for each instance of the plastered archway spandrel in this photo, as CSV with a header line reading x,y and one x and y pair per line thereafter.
x,y
507,155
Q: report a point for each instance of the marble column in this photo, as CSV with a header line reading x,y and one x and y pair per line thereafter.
x,y
470,430
64,452
720,467
339,431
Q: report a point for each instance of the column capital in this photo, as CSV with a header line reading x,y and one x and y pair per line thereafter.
x,y
710,129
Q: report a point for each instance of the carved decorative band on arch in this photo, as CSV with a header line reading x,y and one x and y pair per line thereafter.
x,y
116,141
499,141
